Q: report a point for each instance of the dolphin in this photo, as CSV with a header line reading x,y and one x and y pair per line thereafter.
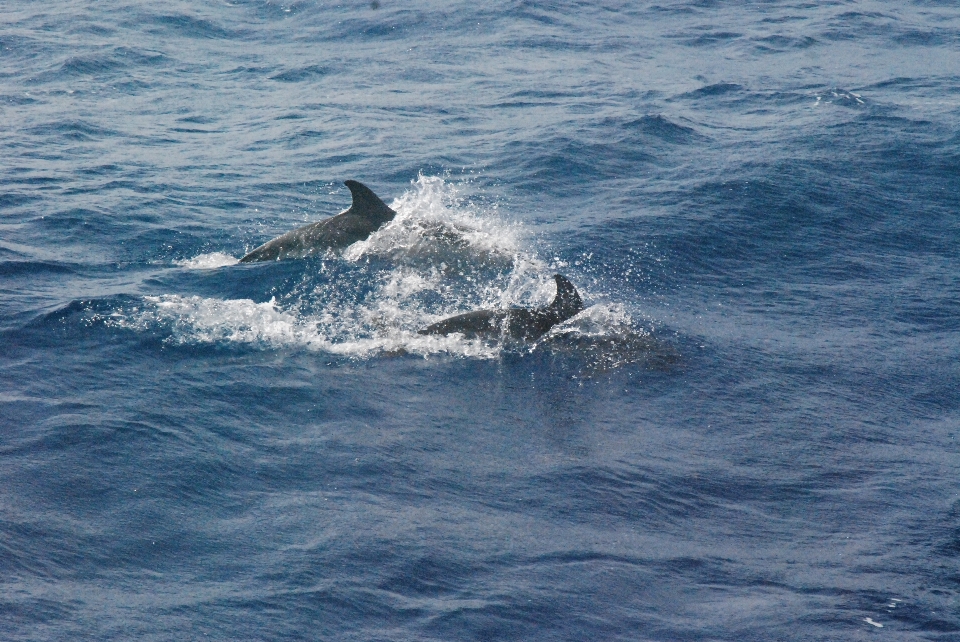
x,y
517,323
365,216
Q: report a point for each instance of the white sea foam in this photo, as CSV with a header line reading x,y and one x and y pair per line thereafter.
x,y
208,261
208,320
199,320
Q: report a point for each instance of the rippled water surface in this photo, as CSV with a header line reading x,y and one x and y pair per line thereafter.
x,y
750,433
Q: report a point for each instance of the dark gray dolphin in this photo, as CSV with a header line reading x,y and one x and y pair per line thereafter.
x,y
365,216
517,323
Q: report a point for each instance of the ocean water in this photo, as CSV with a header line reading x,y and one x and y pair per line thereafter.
x,y
751,433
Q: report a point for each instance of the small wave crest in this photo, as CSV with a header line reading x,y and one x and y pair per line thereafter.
x,y
208,261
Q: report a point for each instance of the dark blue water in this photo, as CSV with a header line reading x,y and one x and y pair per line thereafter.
x,y
750,434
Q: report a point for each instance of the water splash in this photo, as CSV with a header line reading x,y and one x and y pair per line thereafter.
x,y
442,255
437,226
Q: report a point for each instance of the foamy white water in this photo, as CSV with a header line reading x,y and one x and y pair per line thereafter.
x,y
208,261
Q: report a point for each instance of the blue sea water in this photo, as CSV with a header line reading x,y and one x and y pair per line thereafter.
x,y
749,434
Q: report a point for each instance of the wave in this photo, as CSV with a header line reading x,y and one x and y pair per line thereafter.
x,y
208,261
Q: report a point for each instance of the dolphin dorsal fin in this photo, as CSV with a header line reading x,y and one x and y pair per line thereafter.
x,y
367,204
567,302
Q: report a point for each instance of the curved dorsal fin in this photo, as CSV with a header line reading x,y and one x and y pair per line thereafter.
x,y
567,302
367,204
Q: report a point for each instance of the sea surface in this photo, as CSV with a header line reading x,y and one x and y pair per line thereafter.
x,y
751,432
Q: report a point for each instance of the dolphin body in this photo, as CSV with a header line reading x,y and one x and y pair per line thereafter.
x,y
366,215
516,323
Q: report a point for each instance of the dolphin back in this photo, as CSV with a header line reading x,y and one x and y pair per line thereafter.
x,y
471,324
365,216
517,323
